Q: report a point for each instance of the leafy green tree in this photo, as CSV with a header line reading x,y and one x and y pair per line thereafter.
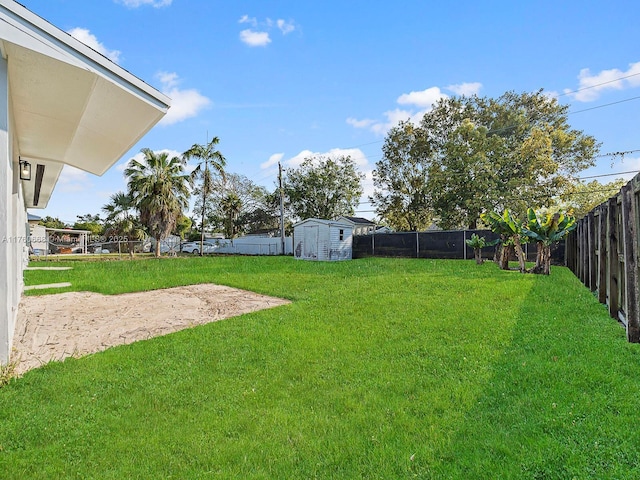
x,y
257,208
582,197
52,222
546,230
323,187
159,187
183,226
401,197
211,162
265,216
92,223
475,154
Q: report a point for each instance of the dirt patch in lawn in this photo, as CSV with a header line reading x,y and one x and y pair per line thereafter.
x,y
54,327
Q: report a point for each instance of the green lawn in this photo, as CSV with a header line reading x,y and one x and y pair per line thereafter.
x,y
380,368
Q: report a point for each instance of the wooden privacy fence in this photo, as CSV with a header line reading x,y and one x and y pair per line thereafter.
x,y
603,253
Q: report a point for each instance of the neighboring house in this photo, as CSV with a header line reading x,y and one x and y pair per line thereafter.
x,y
316,239
361,226
37,235
61,103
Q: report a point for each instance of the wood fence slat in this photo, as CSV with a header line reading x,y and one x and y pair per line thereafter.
x,y
629,219
602,253
591,252
612,263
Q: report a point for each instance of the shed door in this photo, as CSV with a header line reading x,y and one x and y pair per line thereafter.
x,y
310,242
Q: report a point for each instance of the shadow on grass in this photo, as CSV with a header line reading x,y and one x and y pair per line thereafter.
x,y
561,400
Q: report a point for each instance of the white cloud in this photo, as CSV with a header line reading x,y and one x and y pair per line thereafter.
x,y
255,39
74,180
356,155
90,40
418,102
273,160
259,33
184,103
285,27
364,123
140,3
247,19
393,118
466,89
425,98
590,86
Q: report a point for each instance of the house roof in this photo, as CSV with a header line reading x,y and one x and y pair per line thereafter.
x,y
358,220
71,105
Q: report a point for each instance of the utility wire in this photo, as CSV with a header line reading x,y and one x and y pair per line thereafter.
x,y
598,84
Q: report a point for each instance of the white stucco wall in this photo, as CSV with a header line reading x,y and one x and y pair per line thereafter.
x,y
13,223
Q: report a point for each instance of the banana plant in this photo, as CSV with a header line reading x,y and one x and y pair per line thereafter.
x,y
477,243
545,230
510,230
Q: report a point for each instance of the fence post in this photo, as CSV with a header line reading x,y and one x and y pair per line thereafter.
x,y
580,264
602,253
464,243
373,244
612,262
417,245
630,263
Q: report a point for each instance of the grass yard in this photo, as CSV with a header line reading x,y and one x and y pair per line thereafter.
x,y
380,368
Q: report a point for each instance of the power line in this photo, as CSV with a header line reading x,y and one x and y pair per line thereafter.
x,y
608,175
598,84
602,106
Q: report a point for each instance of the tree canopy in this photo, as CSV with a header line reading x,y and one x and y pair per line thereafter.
x,y
582,197
475,154
236,205
323,187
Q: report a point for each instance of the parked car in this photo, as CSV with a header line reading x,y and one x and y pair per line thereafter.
x,y
194,247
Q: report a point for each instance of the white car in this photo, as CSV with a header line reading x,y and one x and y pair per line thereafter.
x,y
194,247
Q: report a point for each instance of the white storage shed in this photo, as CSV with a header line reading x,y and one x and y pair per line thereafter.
x,y
317,239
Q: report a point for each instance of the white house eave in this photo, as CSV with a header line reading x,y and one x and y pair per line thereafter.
x,y
69,104
18,15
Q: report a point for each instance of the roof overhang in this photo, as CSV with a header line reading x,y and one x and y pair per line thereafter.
x,y
71,105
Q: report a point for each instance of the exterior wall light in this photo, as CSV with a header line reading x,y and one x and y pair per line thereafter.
x,y
25,170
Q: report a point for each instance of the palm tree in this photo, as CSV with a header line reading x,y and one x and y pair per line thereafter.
x,y
209,156
231,205
122,221
159,187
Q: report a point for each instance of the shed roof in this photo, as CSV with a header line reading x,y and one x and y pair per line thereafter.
x,y
71,105
358,220
330,223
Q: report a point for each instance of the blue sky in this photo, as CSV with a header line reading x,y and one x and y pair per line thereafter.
x,y
280,80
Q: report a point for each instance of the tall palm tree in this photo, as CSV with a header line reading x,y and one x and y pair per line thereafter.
x,y
159,187
122,220
209,156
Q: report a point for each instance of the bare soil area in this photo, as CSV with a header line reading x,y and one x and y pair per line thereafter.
x,y
54,327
